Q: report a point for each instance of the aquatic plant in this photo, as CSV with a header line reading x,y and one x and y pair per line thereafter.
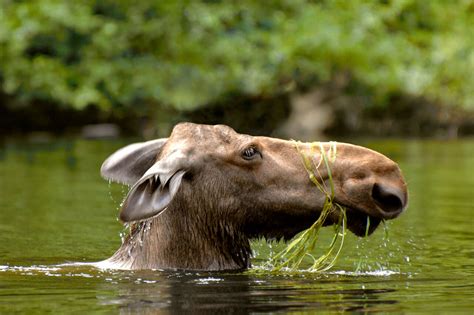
x,y
293,256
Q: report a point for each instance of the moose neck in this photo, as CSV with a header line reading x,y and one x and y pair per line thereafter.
x,y
184,237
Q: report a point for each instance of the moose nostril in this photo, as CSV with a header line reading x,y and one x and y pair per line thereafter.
x,y
391,200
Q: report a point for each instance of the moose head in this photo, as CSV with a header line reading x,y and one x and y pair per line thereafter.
x,y
199,196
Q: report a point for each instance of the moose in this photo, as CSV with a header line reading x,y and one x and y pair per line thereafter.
x,y
198,197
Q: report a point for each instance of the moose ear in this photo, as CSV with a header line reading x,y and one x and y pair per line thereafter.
x,y
128,164
154,191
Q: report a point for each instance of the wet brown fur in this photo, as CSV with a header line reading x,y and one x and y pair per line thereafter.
x,y
225,200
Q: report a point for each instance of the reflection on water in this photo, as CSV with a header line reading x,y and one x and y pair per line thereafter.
x,y
213,292
31,149
54,211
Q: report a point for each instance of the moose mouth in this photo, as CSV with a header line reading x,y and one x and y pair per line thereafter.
x,y
360,223
357,221
290,225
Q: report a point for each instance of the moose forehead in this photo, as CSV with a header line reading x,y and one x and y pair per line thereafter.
x,y
194,135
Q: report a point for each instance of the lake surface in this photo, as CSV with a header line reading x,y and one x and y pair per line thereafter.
x,y
55,208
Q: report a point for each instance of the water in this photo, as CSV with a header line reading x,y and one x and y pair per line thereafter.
x,y
55,209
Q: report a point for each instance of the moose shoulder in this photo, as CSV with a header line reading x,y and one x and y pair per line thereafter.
x,y
199,196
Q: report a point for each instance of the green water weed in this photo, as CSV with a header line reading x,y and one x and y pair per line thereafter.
x,y
293,256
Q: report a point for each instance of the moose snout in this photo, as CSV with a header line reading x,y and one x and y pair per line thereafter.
x,y
390,200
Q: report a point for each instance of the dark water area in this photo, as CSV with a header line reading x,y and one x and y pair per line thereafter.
x,y
55,209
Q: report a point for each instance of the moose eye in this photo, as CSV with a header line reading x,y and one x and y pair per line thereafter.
x,y
250,153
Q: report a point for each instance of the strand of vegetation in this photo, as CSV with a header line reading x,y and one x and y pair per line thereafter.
x,y
293,256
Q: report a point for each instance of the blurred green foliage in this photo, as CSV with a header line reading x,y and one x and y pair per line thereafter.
x,y
186,54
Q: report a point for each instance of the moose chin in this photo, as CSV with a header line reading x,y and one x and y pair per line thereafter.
x,y
198,197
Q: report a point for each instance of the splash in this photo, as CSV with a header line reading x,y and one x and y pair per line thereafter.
x,y
62,270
